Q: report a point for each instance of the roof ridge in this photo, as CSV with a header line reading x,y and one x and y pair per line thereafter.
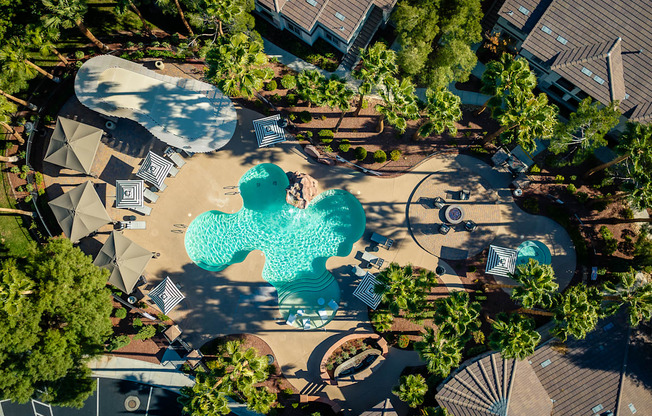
x,y
472,390
487,381
468,396
469,405
512,376
483,388
590,58
616,76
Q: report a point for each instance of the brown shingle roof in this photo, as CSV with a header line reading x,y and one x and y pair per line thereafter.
x,y
586,24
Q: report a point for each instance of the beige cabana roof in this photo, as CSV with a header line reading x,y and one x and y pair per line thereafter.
x,y
73,145
80,211
125,259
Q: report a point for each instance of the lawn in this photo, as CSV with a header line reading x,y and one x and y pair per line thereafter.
x,y
15,240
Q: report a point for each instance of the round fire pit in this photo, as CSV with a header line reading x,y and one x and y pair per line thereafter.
x,y
454,214
132,403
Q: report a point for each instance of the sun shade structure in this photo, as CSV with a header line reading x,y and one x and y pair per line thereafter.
x,y
269,131
154,169
183,112
366,293
129,193
80,211
73,145
125,259
501,261
166,295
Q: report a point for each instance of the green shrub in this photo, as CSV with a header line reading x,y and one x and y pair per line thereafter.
x,y
403,341
360,153
289,81
38,178
163,317
128,44
610,243
380,156
628,213
345,147
79,54
115,343
24,168
271,86
328,149
606,233
326,134
305,117
325,140
535,169
21,188
292,99
137,322
573,178
300,137
292,116
473,269
365,103
309,134
137,55
571,188
120,313
582,197
29,187
395,155
559,179
15,169
531,204
275,98
146,332
28,198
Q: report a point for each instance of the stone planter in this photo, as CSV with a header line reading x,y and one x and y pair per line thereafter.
x,y
380,353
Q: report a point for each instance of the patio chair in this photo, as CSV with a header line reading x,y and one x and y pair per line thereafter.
x,y
149,195
444,229
160,188
465,194
382,241
291,319
358,271
174,157
372,259
144,210
470,226
439,202
173,171
333,305
136,225
323,315
307,325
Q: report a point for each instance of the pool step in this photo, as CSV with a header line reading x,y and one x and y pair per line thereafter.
x,y
305,282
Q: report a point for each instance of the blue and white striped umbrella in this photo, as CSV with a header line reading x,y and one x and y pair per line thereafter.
x,y
501,261
166,295
366,293
154,169
268,131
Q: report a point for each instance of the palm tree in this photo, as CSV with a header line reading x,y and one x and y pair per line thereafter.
x,y
165,5
636,140
226,12
399,104
377,63
309,82
14,287
527,117
632,290
42,39
203,399
537,286
121,7
19,101
412,389
261,400
432,411
69,13
440,353
382,321
442,111
401,289
577,312
505,77
14,59
457,316
237,65
7,108
514,336
336,94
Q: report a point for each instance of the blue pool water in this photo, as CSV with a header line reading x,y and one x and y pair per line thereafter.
x,y
533,249
296,242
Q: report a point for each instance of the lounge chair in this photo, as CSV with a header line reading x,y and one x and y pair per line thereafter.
x,y
333,305
306,325
470,225
465,194
444,229
372,259
156,188
439,202
136,225
382,241
291,319
144,210
174,157
173,171
149,195
358,271
323,315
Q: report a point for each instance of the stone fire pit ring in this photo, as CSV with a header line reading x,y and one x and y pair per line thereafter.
x,y
454,214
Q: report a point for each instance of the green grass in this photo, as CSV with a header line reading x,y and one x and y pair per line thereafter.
x,y
15,240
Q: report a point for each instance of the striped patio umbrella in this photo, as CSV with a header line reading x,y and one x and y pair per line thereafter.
x,y
166,295
501,261
269,131
129,193
125,259
366,293
80,211
73,145
154,169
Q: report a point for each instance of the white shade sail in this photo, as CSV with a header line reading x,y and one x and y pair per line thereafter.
x,y
366,293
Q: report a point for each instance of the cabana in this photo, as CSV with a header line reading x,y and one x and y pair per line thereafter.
x,y
501,261
154,170
80,211
125,260
166,295
73,145
129,193
269,131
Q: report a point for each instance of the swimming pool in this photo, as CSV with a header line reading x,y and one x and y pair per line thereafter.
x,y
532,249
296,242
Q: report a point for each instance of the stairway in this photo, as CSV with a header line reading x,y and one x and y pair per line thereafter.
x,y
368,30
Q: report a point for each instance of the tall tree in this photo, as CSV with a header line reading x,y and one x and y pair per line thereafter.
x,y
336,94
43,39
506,77
308,86
399,104
633,291
203,399
577,312
238,65
441,354
638,166
417,26
412,389
6,109
56,328
166,6
69,13
13,56
18,100
376,63
121,7
586,129
442,111
457,317
514,336
525,117
537,286
636,141
234,14
404,290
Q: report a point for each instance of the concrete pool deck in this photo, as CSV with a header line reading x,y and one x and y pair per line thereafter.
x,y
237,300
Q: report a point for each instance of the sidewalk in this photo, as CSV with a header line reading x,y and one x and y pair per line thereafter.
x,y
166,377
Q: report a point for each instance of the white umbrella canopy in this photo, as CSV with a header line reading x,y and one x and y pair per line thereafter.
x,y
154,169
129,193
501,261
80,211
166,295
125,259
73,145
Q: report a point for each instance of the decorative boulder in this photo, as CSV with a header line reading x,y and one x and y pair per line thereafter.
x,y
302,189
312,151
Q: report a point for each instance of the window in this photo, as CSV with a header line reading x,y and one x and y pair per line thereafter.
x,y
626,96
556,90
586,71
267,14
294,28
562,40
332,38
582,95
546,29
523,10
312,2
598,80
339,16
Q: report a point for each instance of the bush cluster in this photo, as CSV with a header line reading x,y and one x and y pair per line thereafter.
x,y
120,313
345,145
395,155
559,179
360,153
291,99
305,117
571,188
146,332
380,156
271,86
326,136
117,342
288,81
610,243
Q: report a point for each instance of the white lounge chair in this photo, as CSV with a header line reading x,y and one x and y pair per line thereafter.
x,y
323,315
149,195
382,241
157,188
176,159
306,325
173,171
333,305
358,271
291,319
144,210
372,259
135,225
